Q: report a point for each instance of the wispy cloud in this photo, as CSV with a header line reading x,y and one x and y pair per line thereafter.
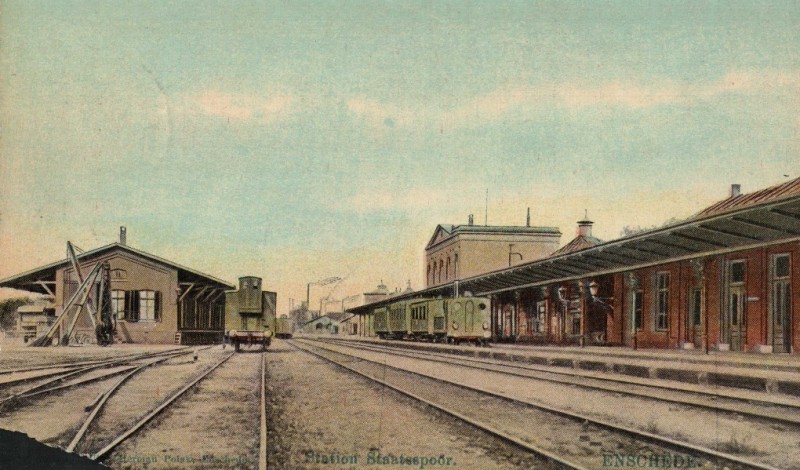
x,y
378,114
522,101
257,107
527,99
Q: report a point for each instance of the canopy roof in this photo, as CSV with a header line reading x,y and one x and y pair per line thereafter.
x,y
735,224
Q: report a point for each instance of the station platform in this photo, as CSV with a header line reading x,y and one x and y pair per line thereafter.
x,y
775,374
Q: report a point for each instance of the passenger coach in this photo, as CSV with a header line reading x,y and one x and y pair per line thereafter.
x,y
462,319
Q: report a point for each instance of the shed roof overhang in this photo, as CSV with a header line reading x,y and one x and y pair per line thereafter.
x,y
39,279
747,228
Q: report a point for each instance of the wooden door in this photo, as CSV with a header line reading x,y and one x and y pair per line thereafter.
x,y
694,321
736,317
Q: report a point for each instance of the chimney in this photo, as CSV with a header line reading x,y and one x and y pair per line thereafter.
x,y
123,239
585,226
528,219
470,220
736,190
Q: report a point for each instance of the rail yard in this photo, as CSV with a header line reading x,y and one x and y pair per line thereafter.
x,y
330,402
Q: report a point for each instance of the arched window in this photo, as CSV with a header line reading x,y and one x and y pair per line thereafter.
x,y
447,270
455,266
441,268
428,276
433,273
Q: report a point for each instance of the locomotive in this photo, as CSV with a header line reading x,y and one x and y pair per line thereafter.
x,y
250,320
456,320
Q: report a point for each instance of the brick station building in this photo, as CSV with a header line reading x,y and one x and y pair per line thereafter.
x,y
726,279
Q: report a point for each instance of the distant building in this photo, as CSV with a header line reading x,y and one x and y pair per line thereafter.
x,y
380,293
327,324
457,252
349,325
582,241
33,320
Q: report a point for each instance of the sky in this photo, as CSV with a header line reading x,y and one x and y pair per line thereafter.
x,y
297,141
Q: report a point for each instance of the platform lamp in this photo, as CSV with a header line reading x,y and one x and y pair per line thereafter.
x,y
633,282
594,288
562,296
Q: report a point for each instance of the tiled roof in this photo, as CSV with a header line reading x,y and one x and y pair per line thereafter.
x,y
29,276
336,316
771,194
581,242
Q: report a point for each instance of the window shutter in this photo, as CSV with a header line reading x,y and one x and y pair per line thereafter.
x,y
135,305
128,305
157,312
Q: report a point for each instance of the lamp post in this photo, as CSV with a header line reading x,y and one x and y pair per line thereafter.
x,y
633,283
594,288
562,296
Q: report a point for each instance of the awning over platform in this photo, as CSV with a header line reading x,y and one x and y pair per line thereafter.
x,y
712,232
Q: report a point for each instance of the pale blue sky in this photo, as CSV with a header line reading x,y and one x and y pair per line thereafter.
x,y
300,140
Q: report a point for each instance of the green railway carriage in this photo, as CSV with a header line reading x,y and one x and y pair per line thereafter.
x,y
399,320
428,319
468,320
438,320
284,328
381,321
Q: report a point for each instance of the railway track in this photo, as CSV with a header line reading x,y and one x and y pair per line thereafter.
x,y
104,429
78,364
785,411
510,419
262,441
141,422
57,378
